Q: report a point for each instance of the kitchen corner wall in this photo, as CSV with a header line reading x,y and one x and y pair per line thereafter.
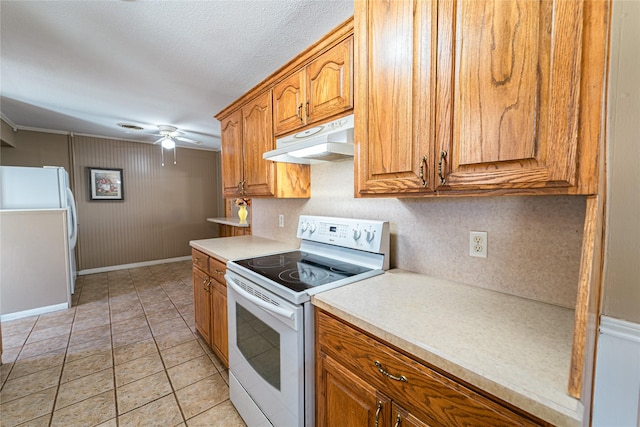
x,y
534,242
163,208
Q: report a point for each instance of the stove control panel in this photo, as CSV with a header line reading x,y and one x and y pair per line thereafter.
x,y
362,234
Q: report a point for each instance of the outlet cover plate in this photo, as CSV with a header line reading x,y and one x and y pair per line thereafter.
x,y
478,244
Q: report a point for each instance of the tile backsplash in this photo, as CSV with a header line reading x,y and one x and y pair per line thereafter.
x,y
534,242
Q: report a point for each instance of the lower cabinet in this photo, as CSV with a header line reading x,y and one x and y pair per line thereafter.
x,y
361,381
210,303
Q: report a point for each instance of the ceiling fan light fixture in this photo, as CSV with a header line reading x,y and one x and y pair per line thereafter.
x,y
168,143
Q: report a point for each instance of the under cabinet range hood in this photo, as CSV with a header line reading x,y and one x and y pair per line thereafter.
x,y
323,143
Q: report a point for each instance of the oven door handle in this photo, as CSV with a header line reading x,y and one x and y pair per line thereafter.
x,y
260,303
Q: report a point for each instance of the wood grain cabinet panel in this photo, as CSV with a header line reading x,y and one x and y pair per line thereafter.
x,y
288,103
247,133
514,80
330,82
232,158
474,97
201,303
320,90
419,395
210,303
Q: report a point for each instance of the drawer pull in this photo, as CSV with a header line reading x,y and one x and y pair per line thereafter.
x,y
378,413
218,271
398,421
393,377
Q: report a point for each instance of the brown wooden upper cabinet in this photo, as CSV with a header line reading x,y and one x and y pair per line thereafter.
x,y
247,133
321,89
476,96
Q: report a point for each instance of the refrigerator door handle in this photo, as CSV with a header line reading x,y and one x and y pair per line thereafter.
x,y
73,236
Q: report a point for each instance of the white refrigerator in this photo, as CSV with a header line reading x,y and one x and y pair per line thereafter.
x,y
29,188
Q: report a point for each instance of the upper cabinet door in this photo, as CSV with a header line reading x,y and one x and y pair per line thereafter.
x,y
330,83
508,93
289,103
395,54
232,155
257,135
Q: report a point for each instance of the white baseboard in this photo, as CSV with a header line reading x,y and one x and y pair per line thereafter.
x,y
33,312
134,265
620,328
616,400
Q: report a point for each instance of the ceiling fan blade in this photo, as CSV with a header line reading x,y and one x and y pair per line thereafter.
x,y
191,141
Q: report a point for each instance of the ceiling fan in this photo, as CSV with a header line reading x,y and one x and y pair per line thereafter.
x,y
169,135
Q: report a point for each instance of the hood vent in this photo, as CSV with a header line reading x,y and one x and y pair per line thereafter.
x,y
324,143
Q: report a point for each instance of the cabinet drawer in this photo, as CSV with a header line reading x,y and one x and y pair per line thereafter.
x,y
435,397
217,269
200,260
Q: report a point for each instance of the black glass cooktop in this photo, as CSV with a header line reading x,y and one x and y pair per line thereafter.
x,y
298,270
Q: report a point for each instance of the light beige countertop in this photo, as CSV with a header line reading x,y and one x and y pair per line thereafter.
x,y
519,350
228,248
229,220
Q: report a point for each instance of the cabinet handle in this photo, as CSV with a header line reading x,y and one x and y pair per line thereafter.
x,y
218,271
443,154
306,109
204,284
300,113
244,192
378,413
423,166
398,421
387,374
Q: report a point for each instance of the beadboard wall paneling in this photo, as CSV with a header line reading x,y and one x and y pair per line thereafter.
x,y
163,208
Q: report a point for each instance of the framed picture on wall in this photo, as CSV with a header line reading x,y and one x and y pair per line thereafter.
x,y
105,184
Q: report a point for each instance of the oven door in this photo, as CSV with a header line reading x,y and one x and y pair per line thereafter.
x,y
266,354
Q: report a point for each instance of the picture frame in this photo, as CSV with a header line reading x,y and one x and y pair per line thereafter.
x,y
105,184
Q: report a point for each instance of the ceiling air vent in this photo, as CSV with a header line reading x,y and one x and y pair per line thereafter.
x,y
130,126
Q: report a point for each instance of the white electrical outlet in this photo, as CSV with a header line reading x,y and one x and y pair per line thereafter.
x,y
281,220
478,244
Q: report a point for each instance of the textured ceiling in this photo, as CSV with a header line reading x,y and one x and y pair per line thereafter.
x,y
84,66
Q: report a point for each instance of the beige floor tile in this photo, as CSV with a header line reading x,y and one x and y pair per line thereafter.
x,y
223,415
27,408
44,346
134,335
181,353
161,412
42,421
5,370
203,395
190,372
83,388
86,366
88,348
84,335
56,318
176,325
91,323
120,328
16,340
143,391
174,338
19,326
89,412
157,318
48,332
121,316
28,384
133,351
138,368
111,423
37,363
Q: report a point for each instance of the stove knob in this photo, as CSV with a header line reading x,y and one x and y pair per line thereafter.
x,y
370,235
304,226
312,228
356,234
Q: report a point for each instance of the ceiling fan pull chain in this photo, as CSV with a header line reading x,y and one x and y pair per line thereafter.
x,y
162,151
